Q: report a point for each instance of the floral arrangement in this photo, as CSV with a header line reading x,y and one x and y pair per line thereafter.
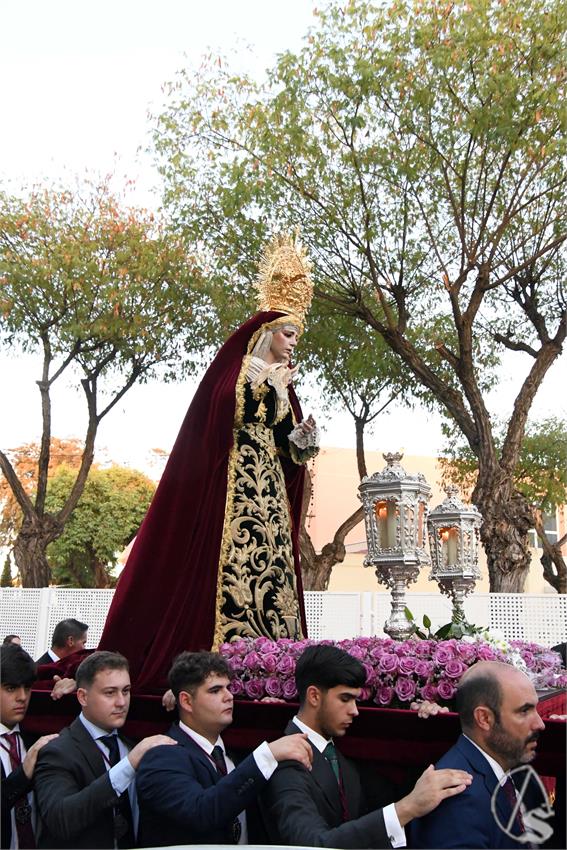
x,y
397,672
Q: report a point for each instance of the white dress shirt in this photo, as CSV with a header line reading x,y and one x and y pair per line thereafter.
x,y
395,830
7,765
121,775
265,762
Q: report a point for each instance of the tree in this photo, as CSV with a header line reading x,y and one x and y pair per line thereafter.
x,y
421,147
24,461
363,382
105,296
541,477
6,577
107,517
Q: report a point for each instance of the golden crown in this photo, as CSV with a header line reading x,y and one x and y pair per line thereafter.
x,y
284,276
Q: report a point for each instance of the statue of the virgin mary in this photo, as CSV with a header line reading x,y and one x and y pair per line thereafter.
x,y
217,557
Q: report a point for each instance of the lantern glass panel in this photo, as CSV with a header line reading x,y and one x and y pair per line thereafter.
x,y
386,520
450,543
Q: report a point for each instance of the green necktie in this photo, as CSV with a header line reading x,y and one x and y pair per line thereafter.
x,y
330,754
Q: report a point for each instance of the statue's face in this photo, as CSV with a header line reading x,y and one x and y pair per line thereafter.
x,y
284,341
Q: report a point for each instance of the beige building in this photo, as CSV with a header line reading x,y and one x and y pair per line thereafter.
x,y
335,483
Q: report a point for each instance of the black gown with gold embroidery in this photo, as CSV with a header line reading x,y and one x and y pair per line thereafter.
x,y
258,594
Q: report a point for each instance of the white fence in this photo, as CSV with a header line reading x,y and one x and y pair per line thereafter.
x,y
32,613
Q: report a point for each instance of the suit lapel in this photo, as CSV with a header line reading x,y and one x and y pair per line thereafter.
x,y
322,772
87,747
196,751
481,766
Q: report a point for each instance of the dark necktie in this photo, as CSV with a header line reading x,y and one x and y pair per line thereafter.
x,y
217,756
330,754
510,792
22,808
123,821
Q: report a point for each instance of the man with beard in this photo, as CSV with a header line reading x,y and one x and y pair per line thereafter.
x,y
497,705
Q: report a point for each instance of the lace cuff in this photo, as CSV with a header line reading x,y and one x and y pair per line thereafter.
x,y
305,440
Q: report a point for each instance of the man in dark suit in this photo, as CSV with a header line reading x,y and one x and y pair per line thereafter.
x,y
325,807
68,636
84,779
18,752
193,793
497,705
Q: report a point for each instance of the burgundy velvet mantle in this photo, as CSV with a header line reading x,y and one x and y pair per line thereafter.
x,y
166,596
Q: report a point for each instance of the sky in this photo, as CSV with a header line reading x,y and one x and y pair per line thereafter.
x,y
77,80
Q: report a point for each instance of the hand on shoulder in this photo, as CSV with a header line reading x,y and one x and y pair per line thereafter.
x,y
294,747
136,753
431,788
30,759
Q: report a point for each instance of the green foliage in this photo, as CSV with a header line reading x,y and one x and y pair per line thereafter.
x,y
448,630
97,284
541,472
419,149
6,577
107,517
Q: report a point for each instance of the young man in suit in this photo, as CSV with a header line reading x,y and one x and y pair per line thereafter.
x,y
193,793
497,705
84,779
68,636
325,807
18,752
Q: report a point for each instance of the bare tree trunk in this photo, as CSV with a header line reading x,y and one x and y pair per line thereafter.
x,y
316,568
30,547
102,579
508,517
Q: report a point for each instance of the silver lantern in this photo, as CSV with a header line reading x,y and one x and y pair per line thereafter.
x,y
454,544
395,512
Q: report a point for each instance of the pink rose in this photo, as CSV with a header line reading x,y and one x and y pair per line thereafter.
x,y
254,688
407,664
485,652
388,663
264,645
466,652
370,672
429,692
384,695
252,661
273,687
405,688
365,694
235,664
454,668
446,689
443,653
297,647
424,648
236,687
270,662
289,689
424,669
286,665
357,652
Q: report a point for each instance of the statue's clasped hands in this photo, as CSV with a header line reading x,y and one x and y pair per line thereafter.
x,y
307,425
